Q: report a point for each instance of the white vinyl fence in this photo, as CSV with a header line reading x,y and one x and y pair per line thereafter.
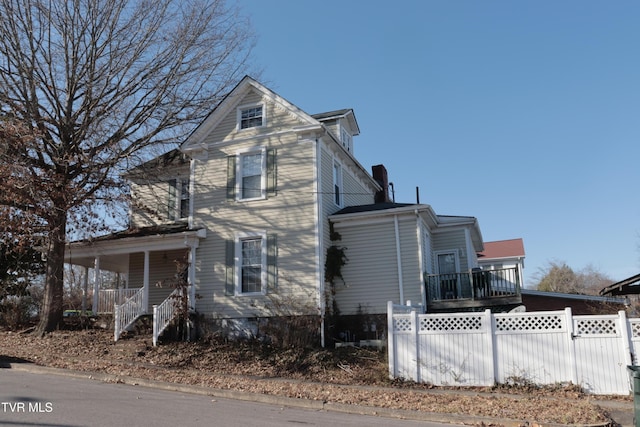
x,y
483,349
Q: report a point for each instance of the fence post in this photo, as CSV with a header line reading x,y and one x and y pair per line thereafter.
x,y
415,324
571,344
391,345
116,321
155,325
625,337
490,342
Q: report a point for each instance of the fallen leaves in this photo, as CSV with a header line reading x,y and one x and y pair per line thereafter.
x,y
346,375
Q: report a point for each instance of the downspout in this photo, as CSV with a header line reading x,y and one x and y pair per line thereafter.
x,y
421,256
319,240
399,259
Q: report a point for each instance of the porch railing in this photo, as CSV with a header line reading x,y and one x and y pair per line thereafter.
x,y
127,313
164,313
475,284
108,298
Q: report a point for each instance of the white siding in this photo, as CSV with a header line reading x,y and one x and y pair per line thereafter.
x,y
161,273
150,196
409,251
289,214
371,272
453,239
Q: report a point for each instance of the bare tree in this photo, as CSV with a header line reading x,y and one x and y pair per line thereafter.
x,y
87,87
557,276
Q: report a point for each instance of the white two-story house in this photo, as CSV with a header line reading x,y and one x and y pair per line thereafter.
x,y
247,200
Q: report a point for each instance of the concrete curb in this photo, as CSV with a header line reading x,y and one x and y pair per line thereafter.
x,y
289,401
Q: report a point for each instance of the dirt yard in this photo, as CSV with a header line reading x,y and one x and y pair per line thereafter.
x,y
346,375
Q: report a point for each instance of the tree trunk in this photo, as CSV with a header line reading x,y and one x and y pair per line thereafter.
x,y
51,310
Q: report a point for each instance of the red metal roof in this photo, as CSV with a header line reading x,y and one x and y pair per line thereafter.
x,y
503,249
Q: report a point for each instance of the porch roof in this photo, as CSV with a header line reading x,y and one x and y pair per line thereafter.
x,y
114,249
629,286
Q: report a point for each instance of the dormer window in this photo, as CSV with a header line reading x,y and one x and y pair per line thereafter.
x,y
250,117
345,137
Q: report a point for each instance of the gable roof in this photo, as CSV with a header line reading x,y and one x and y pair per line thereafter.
x,y
346,113
513,248
170,159
231,101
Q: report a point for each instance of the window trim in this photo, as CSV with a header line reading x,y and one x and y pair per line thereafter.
x,y
239,238
245,107
263,173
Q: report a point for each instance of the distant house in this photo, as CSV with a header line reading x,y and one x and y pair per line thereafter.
x,y
503,254
510,253
254,200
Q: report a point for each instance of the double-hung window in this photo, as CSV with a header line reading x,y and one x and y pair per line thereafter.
x,y
337,183
250,117
251,263
346,138
179,199
252,174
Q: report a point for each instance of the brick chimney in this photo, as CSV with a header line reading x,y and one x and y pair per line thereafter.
x,y
380,175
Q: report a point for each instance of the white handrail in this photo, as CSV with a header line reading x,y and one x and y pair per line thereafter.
x,y
107,298
164,313
127,313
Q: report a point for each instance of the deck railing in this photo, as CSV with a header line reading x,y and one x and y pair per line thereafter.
x,y
164,313
127,313
475,284
108,298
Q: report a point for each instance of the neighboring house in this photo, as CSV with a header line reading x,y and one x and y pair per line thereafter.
x,y
249,201
509,254
502,254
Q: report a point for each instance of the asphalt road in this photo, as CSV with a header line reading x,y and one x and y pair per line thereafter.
x,y
30,399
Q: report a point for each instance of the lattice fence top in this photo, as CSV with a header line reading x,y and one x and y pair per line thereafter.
x,y
553,322
635,328
401,323
470,323
596,327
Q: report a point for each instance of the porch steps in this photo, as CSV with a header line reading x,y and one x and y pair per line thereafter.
x,y
127,313
142,325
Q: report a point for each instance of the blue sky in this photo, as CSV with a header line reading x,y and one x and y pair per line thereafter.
x,y
524,114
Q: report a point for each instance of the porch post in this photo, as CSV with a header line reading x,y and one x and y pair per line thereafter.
x,y
97,278
85,288
145,283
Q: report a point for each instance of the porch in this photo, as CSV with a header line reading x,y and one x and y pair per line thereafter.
x,y
473,289
145,259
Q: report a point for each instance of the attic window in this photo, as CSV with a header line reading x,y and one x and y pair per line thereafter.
x,y
251,117
345,137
